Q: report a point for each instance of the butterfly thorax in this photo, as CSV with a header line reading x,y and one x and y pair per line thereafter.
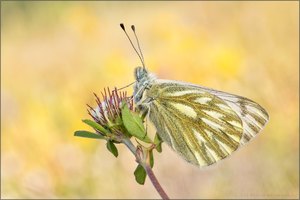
x,y
144,80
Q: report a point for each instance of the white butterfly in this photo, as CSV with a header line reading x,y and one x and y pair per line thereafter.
x,y
201,124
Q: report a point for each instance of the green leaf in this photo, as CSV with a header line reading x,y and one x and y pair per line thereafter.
x,y
140,175
112,148
151,159
146,139
88,134
134,124
95,125
157,142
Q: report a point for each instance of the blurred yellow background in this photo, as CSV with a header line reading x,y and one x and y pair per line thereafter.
x,y
54,55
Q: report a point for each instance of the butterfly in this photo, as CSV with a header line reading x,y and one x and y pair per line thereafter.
x,y
201,124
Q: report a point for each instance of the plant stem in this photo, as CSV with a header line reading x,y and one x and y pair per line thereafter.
x,y
155,182
130,146
147,168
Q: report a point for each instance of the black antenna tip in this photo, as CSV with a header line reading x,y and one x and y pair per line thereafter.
x,y
122,26
133,27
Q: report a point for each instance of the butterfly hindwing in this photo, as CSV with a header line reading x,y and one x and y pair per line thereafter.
x,y
253,116
202,125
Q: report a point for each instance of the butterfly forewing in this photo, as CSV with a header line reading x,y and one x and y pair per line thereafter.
x,y
202,125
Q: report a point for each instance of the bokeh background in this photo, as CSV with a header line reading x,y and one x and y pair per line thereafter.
x,y
54,55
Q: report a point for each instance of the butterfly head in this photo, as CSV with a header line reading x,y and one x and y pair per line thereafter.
x,y
143,81
140,73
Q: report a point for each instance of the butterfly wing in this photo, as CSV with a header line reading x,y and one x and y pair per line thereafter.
x,y
200,124
253,116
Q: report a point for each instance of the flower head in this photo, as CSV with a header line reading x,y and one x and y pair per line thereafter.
x,y
108,110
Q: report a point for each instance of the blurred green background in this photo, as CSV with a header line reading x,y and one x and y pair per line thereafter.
x,y
54,55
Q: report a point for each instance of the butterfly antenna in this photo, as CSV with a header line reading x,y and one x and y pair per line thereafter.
x,y
123,27
138,42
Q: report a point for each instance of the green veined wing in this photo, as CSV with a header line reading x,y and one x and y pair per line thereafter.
x,y
200,124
